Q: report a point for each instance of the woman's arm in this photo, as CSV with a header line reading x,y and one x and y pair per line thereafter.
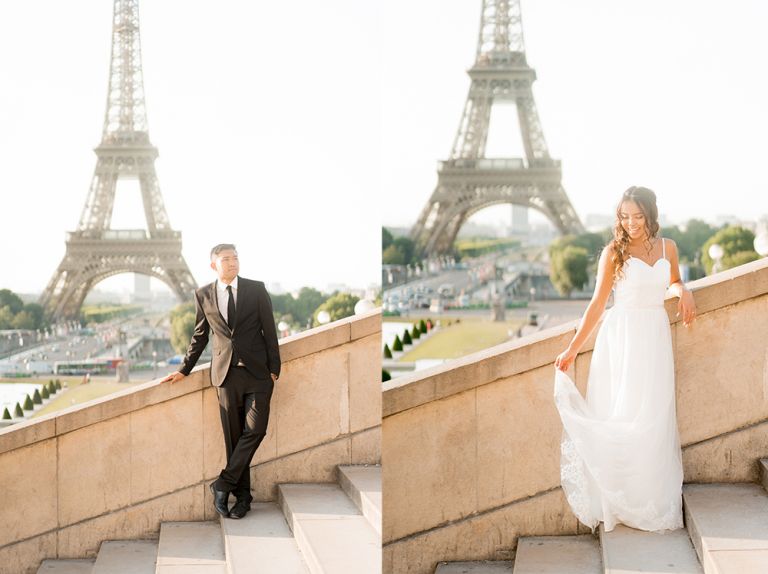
x,y
685,304
594,311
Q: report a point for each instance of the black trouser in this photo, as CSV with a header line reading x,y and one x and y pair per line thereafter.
x,y
244,410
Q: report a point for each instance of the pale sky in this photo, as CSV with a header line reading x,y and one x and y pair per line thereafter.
x,y
266,116
669,94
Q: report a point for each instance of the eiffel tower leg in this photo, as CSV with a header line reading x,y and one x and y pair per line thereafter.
x,y
472,134
553,202
535,144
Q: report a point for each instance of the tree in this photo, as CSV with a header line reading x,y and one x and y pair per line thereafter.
x,y
51,388
738,248
6,414
386,238
44,393
568,269
385,376
23,320
416,332
423,327
689,239
36,398
37,313
338,306
6,317
407,338
10,299
394,255
306,304
408,247
182,326
28,406
387,351
742,257
397,345
17,412
592,243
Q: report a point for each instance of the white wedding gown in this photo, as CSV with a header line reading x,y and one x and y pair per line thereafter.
x,y
620,451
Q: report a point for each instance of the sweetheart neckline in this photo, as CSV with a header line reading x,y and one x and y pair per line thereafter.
x,y
648,264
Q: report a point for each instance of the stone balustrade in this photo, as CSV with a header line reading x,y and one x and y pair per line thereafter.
x,y
116,467
470,451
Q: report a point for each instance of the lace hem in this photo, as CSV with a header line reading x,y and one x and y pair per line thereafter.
x,y
574,482
573,479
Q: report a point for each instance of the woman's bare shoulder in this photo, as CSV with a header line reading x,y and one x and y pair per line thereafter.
x,y
608,250
669,243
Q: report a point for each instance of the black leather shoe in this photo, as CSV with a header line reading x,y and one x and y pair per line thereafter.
x,y
240,509
220,501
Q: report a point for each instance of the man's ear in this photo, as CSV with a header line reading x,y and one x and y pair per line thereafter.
x,y
213,265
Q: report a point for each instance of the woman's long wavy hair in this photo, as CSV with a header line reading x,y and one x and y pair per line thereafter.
x,y
646,201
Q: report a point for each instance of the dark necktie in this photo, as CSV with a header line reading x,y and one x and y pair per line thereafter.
x,y
231,308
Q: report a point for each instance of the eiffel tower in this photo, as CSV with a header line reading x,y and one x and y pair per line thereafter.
x,y
469,181
95,251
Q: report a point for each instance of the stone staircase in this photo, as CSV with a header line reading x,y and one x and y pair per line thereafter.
x,y
726,533
312,529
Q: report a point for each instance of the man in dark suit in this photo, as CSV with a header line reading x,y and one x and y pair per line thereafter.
x,y
244,368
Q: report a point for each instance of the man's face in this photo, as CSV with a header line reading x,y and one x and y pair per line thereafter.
x,y
226,265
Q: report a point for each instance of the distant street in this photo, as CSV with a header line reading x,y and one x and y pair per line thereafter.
x,y
143,338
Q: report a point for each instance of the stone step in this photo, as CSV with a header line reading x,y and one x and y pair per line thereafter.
x,y
190,547
261,543
363,485
480,567
627,550
763,465
78,566
333,536
558,555
728,524
126,557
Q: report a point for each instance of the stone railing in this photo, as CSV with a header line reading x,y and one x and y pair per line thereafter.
x,y
116,467
470,451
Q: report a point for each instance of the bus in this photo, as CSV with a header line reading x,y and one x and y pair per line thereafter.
x,y
97,366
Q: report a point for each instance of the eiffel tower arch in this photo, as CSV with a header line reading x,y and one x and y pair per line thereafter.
x,y
469,181
95,251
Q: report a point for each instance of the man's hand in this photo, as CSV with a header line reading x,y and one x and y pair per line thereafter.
x,y
174,377
274,377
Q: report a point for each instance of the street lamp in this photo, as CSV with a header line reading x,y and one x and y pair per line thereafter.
x,y
363,306
323,317
716,253
761,242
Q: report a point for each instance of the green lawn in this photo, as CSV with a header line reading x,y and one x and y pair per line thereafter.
x,y
76,393
470,335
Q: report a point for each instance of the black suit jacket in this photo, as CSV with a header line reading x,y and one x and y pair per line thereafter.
x,y
254,336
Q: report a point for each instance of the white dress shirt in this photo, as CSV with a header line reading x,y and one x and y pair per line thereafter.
x,y
223,296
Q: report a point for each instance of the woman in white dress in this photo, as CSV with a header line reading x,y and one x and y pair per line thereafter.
x,y
620,451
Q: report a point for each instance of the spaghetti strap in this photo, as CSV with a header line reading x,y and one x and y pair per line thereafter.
x,y
663,248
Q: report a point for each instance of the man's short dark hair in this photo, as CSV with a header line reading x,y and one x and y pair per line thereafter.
x,y
221,247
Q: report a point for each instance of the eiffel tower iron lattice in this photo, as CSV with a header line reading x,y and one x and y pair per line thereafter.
x,y
95,251
469,181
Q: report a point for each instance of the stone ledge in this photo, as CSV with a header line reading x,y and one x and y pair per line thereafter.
x,y
699,465
154,392
514,357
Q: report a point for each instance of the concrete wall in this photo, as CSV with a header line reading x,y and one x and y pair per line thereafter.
x,y
470,449
117,467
